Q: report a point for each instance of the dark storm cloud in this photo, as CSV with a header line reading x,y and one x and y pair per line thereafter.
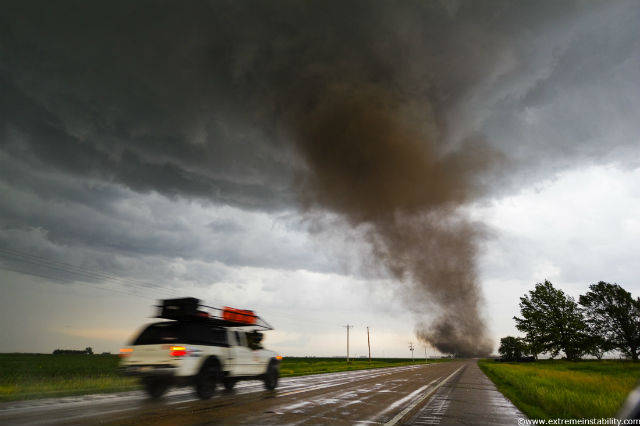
x,y
571,94
390,115
51,216
186,99
130,94
34,134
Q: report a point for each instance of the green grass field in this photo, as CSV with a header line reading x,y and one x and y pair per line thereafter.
x,y
563,389
28,376
25,376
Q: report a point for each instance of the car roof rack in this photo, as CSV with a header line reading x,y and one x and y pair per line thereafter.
x,y
191,309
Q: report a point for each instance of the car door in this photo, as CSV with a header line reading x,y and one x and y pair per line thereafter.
x,y
242,357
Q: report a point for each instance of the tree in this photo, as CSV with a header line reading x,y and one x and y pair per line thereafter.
x,y
595,344
534,344
614,316
512,348
552,322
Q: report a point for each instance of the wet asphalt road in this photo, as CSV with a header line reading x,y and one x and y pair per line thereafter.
x,y
381,396
468,398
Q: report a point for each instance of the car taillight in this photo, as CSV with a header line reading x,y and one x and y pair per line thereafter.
x,y
125,352
177,351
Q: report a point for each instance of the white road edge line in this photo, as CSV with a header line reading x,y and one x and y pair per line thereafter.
x,y
404,412
405,399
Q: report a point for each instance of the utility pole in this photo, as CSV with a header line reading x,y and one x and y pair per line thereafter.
x,y
369,344
411,348
347,327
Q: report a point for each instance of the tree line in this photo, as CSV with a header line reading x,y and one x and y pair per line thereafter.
x,y
604,319
86,351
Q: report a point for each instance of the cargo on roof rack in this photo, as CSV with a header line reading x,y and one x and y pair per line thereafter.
x,y
190,308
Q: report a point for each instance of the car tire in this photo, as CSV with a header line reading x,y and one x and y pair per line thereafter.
x,y
206,380
155,387
228,383
271,377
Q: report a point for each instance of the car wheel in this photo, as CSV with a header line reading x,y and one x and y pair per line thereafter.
x,y
271,377
228,383
206,381
155,387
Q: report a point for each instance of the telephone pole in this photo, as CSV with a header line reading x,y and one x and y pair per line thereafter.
x,y
347,327
411,348
369,344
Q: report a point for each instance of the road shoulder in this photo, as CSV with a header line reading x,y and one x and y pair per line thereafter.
x,y
469,398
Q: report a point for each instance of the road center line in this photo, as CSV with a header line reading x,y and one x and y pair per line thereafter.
x,y
405,399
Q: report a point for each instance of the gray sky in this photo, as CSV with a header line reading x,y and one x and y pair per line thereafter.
x,y
144,153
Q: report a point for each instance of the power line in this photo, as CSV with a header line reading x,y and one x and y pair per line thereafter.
x,y
42,275
127,287
94,274
71,270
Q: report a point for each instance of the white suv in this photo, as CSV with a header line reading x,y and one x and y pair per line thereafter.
x,y
201,346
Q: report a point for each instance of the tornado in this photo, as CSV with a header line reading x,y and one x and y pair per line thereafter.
x,y
377,160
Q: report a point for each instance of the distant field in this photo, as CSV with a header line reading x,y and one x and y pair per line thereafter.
x,y
564,389
28,376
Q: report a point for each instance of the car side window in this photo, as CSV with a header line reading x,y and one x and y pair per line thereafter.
x,y
202,334
254,339
240,338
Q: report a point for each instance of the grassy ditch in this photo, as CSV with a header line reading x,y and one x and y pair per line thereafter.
x,y
29,376
563,389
